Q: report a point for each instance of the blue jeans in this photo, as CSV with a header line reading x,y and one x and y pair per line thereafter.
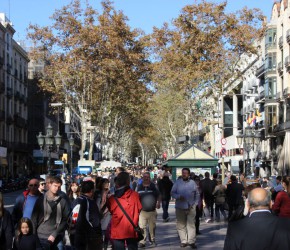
x,y
132,244
165,205
46,245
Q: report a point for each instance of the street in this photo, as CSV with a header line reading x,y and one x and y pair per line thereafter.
x,y
212,234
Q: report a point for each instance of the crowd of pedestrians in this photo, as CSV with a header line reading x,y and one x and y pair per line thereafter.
x,y
99,212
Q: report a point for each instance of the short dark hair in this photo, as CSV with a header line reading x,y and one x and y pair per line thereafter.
x,y
87,186
55,179
122,179
233,178
215,175
206,174
187,169
279,178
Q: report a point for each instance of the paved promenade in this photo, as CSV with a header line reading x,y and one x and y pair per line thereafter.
x,y
211,238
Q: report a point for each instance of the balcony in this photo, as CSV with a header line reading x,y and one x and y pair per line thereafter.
x,y
271,46
286,92
280,68
2,87
9,92
9,119
2,115
281,42
9,68
1,62
287,63
19,121
17,95
288,36
260,70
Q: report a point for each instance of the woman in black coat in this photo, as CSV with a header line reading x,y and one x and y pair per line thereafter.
x,y
6,228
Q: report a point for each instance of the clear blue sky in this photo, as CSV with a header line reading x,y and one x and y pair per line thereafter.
x,y
142,14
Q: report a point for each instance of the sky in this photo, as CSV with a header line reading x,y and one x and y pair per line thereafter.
x,y
143,14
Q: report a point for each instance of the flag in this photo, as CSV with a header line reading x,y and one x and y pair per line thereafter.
x,y
258,113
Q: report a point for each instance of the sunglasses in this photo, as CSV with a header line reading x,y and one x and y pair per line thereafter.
x,y
42,184
33,185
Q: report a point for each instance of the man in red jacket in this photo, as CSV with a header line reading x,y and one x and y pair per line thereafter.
x,y
121,229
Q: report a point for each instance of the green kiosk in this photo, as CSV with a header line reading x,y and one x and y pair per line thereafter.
x,y
194,158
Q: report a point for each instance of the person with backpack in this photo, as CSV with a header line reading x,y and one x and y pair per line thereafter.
x,y
150,200
88,232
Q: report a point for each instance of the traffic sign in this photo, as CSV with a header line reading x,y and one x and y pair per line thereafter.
x,y
223,141
223,151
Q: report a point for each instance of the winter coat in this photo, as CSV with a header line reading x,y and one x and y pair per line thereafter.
x,y
281,206
219,194
6,231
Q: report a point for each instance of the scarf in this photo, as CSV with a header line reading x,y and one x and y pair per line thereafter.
x,y
47,208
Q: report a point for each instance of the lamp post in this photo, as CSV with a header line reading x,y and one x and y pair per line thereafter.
x,y
248,140
71,143
48,141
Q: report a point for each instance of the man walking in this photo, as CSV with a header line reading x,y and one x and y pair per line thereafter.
x,y
49,216
88,233
186,194
261,230
165,186
150,200
25,202
234,194
207,187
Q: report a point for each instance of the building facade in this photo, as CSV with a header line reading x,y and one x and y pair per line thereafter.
x,y
13,102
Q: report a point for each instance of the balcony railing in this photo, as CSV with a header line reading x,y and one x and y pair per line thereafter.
x,y
9,92
287,63
271,46
280,68
281,42
260,70
288,36
2,115
19,121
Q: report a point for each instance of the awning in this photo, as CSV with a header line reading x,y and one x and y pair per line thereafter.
x,y
284,160
3,161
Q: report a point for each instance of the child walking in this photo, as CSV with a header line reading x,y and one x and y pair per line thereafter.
x,y
25,239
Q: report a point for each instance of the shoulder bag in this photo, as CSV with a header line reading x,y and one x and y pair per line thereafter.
x,y
136,227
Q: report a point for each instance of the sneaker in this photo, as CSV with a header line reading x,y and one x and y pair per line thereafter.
x,y
193,246
153,243
166,220
183,245
141,245
208,220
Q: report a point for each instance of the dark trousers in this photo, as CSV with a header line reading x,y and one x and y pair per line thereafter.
x,y
209,205
132,244
220,208
56,245
88,242
198,215
165,205
232,208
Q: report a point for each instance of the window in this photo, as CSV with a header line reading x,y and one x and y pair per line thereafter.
x,y
271,61
271,118
281,113
271,88
271,37
287,110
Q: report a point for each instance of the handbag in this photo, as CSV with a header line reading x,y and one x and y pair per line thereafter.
x,y
137,229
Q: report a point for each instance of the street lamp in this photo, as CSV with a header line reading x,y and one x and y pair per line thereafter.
x,y
248,140
48,141
71,143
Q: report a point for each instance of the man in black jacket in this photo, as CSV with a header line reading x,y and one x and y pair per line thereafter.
x,y
49,216
207,187
234,194
88,233
165,186
261,230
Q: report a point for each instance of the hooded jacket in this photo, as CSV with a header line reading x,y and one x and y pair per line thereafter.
x,y
130,201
